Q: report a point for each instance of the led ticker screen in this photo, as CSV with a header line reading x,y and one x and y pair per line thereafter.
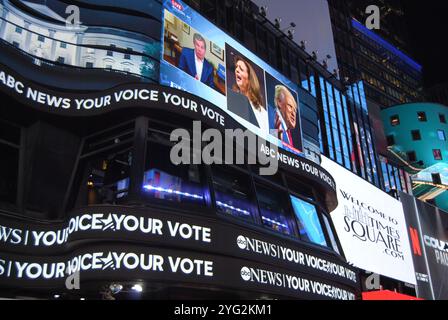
x,y
203,60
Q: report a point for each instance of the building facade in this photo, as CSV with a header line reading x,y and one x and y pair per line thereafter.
x,y
379,57
417,133
392,24
90,184
89,187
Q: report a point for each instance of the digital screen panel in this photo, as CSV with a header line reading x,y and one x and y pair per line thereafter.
x,y
371,226
200,58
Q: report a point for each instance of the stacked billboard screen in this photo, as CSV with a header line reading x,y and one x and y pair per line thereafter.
x,y
203,60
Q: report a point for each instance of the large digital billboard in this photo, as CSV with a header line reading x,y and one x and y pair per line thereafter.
x,y
203,60
428,233
371,226
105,243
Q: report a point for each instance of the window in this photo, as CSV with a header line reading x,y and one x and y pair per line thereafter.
x,y
16,44
395,120
89,64
310,227
110,53
233,193
8,173
105,177
300,188
40,38
9,163
63,45
274,215
19,30
441,135
390,140
166,181
60,60
436,178
437,154
127,56
416,136
422,116
442,118
333,241
412,156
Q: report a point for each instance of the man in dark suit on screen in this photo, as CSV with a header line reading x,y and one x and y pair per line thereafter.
x,y
193,62
283,118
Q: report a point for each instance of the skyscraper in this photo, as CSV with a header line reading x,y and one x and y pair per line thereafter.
x,y
379,57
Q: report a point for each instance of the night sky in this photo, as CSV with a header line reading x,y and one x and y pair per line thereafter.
x,y
428,28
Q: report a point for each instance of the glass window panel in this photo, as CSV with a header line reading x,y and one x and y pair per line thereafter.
x,y
106,177
9,132
397,179
299,187
441,135
342,128
313,86
166,181
233,193
337,143
9,163
385,176
326,117
333,241
305,85
274,215
392,177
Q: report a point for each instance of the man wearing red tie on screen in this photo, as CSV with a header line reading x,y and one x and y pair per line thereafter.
x,y
286,116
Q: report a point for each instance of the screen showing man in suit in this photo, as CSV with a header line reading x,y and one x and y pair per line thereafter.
x,y
193,61
189,51
284,118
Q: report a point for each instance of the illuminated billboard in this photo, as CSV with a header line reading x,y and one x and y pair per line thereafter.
x,y
371,226
203,60
428,233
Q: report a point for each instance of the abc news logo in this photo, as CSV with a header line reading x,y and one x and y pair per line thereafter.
x,y
241,242
245,273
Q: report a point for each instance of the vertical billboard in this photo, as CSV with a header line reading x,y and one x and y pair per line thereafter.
x,y
428,233
200,58
371,226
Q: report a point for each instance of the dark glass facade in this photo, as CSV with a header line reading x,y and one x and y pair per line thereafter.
x,y
379,57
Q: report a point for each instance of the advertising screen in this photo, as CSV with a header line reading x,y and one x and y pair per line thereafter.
x,y
105,242
203,60
428,233
371,226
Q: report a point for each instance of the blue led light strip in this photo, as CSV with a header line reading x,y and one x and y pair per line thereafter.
x,y
225,205
170,191
372,35
274,222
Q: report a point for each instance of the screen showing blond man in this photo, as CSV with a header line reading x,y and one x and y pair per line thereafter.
x,y
286,117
